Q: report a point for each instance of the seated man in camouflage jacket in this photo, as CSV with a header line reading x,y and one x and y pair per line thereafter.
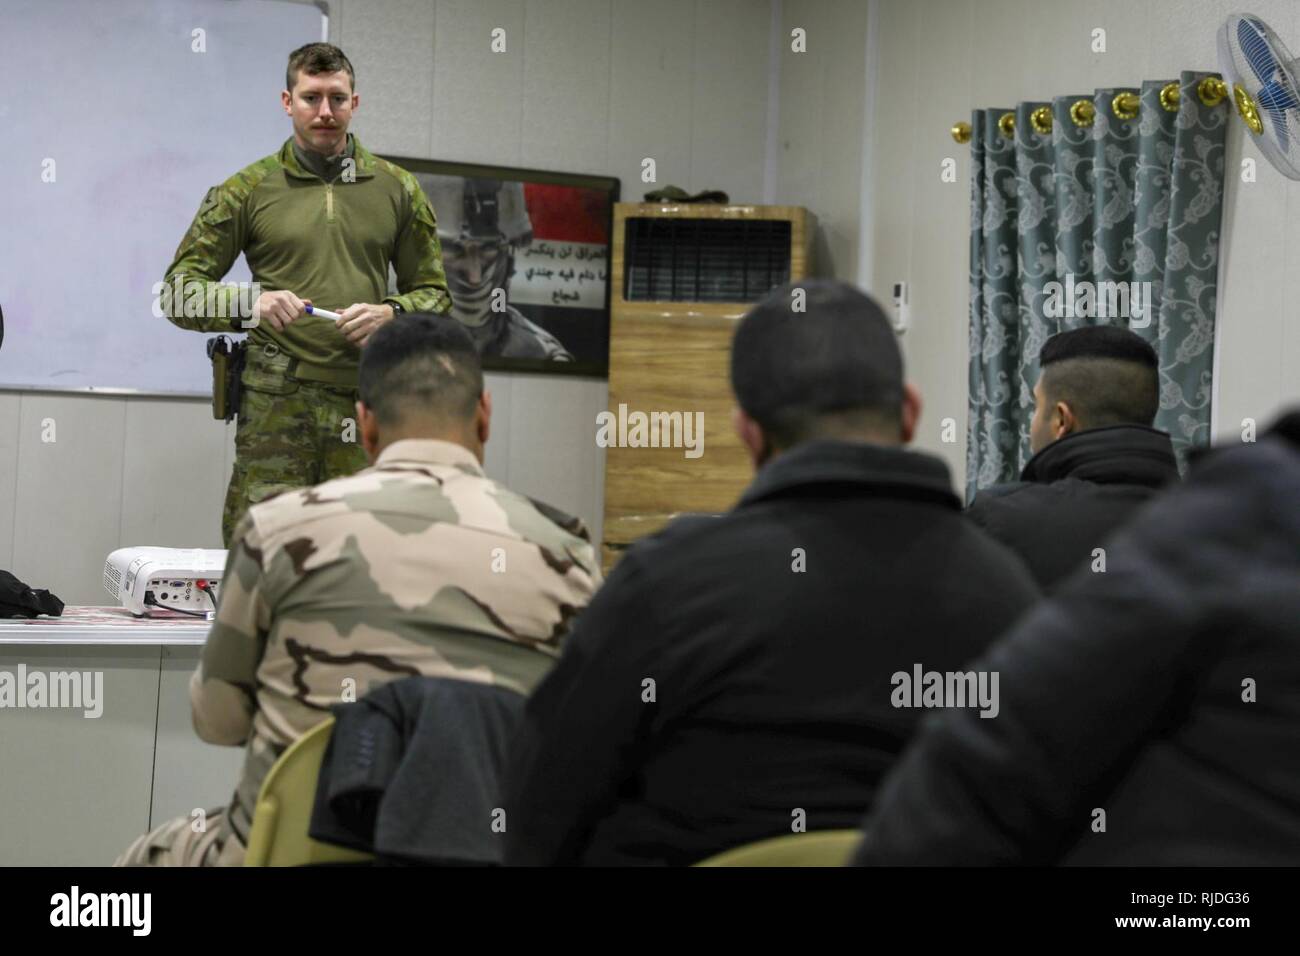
x,y
418,565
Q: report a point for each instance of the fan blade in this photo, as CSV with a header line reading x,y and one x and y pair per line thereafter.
x,y
1256,49
1275,99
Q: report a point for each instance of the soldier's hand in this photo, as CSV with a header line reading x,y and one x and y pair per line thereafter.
x,y
278,309
360,321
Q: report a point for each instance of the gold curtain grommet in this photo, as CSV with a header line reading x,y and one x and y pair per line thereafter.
x,y
1041,120
1007,125
1082,112
1125,106
1247,109
1170,96
961,132
1212,91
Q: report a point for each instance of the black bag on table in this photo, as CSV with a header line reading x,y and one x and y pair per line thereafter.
x,y
18,600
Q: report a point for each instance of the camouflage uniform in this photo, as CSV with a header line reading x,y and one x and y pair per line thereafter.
x,y
419,565
290,434
328,242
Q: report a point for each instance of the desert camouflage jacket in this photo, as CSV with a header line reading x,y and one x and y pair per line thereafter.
x,y
418,565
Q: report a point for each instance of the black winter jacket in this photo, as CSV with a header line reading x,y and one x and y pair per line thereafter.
x,y
1073,494
732,679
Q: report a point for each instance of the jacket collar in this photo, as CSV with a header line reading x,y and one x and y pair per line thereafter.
x,y
365,161
876,469
428,451
1116,454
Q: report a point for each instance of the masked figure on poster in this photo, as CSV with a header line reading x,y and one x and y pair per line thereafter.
x,y
481,225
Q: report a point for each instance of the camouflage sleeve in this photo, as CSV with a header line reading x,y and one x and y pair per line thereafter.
x,y
193,296
223,690
417,257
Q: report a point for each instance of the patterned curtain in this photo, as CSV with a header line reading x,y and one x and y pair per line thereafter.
x,y
1065,226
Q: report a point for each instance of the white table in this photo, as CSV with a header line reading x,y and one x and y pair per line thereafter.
x,y
75,791
113,626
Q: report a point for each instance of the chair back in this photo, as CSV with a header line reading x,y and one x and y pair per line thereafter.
x,y
819,848
284,805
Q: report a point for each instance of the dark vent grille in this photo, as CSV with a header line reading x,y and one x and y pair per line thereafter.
x,y
704,260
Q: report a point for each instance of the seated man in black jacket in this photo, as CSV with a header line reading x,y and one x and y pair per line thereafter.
x,y
1096,456
1150,715
742,677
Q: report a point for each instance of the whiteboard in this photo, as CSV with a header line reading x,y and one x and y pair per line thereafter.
x,y
112,130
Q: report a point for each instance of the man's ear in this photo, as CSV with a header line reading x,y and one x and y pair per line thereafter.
x,y
751,436
286,100
911,412
368,426
1064,421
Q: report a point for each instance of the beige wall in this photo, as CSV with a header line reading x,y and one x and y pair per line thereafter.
x,y
820,108
938,59
584,86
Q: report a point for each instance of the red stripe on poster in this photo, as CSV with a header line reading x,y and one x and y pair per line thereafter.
x,y
567,213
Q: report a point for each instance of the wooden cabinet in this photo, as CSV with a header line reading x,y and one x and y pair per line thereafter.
x,y
672,355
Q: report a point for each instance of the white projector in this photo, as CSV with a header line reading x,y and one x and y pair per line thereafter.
x,y
175,579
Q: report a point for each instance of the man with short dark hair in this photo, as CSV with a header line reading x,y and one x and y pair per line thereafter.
x,y
1096,457
736,678
417,565
320,222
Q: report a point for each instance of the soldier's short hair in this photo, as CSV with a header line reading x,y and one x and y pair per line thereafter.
x,y
817,358
1106,374
421,365
315,58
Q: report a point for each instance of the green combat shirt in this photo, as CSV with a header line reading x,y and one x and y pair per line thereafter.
x,y
330,243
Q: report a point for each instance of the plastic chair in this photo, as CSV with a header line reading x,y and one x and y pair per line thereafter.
x,y
283,814
820,848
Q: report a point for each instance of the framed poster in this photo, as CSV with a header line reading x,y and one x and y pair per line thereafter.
x,y
527,256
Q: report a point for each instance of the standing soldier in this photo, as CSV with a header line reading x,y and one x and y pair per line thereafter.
x,y
319,223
